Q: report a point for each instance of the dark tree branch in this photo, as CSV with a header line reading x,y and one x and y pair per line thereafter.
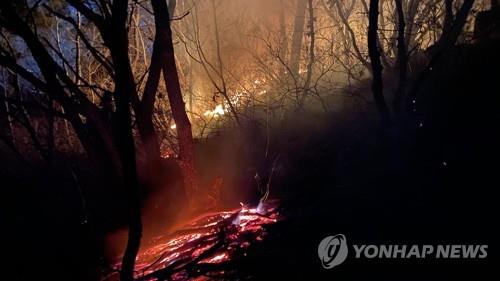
x,y
446,41
96,19
11,64
346,23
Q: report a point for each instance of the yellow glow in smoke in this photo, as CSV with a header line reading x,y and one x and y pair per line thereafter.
x,y
218,111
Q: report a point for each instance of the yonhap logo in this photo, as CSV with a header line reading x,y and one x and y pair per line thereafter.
x,y
332,251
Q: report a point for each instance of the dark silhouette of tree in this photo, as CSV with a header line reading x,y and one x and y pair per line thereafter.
x,y
311,55
297,36
124,90
377,68
167,63
446,41
105,130
402,57
344,18
448,16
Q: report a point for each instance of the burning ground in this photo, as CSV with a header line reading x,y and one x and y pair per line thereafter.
x,y
210,246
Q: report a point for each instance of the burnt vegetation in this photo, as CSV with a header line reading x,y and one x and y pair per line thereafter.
x,y
123,121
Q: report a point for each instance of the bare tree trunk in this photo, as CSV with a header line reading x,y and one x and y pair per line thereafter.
x,y
77,47
381,36
117,42
144,112
283,52
171,77
448,16
402,57
7,108
298,33
191,88
310,64
377,68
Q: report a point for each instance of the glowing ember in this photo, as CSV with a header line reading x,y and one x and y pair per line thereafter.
x,y
213,239
216,259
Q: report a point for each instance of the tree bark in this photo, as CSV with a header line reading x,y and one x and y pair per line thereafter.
x,y
283,52
377,68
448,16
144,112
402,57
310,64
171,77
118,44
298,33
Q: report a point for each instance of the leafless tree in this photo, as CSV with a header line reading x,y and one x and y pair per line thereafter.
x,y
373,48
